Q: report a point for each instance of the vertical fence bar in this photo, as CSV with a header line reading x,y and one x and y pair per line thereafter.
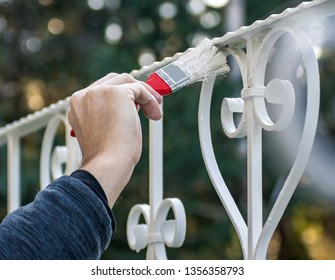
x,y
254,160
14,171
155,184
254,181
156,164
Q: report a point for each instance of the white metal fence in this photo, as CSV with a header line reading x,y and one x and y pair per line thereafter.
x,y
253,49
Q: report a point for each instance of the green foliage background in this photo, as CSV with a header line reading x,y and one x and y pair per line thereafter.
x,y
77,56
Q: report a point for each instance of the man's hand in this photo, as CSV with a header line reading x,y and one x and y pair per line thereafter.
x,y
105,119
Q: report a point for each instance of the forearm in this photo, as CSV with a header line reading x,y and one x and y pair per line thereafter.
x,y
113,173
67,220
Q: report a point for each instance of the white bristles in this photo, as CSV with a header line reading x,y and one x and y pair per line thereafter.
x,y
204,61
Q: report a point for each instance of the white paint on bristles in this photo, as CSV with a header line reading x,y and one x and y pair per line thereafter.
x,y
203,61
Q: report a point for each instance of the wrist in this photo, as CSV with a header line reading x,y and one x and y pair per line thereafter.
x,y
112,172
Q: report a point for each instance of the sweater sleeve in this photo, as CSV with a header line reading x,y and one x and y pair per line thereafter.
x,y
69,219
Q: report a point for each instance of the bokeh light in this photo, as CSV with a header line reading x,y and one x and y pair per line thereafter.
x,y
216,3
56,26
34,91
146,25
96,4
113,33
167,10
210,19
147,57
31,44
113,4
195,7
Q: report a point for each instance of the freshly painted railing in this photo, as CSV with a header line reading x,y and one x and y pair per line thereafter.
x,y
252,48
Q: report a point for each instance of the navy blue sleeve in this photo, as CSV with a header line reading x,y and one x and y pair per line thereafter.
x,y
90,181
68,220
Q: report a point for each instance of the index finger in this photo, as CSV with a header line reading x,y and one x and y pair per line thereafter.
x,y
157,96
142,96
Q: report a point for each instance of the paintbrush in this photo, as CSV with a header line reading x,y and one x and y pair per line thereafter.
x,y
196,64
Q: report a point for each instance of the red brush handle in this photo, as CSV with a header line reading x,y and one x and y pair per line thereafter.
x,y
156,82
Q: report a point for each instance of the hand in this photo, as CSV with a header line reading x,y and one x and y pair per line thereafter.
x,y
105,119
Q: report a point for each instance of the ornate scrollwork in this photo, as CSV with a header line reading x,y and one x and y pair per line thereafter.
x,y
229,107
52,162
309,130
157,230
277,92
252,105
136,232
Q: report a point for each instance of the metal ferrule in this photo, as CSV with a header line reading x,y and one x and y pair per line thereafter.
x,y
174,76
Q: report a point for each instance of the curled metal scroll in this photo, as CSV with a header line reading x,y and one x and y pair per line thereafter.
x,y
277,92
157,231
212,166
256,94
54,158
308,133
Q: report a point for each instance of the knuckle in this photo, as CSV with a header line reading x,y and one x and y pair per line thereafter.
x,y
90,92
127,77
111,75
73,99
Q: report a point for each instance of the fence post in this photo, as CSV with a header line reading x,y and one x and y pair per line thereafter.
x,y
14,172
